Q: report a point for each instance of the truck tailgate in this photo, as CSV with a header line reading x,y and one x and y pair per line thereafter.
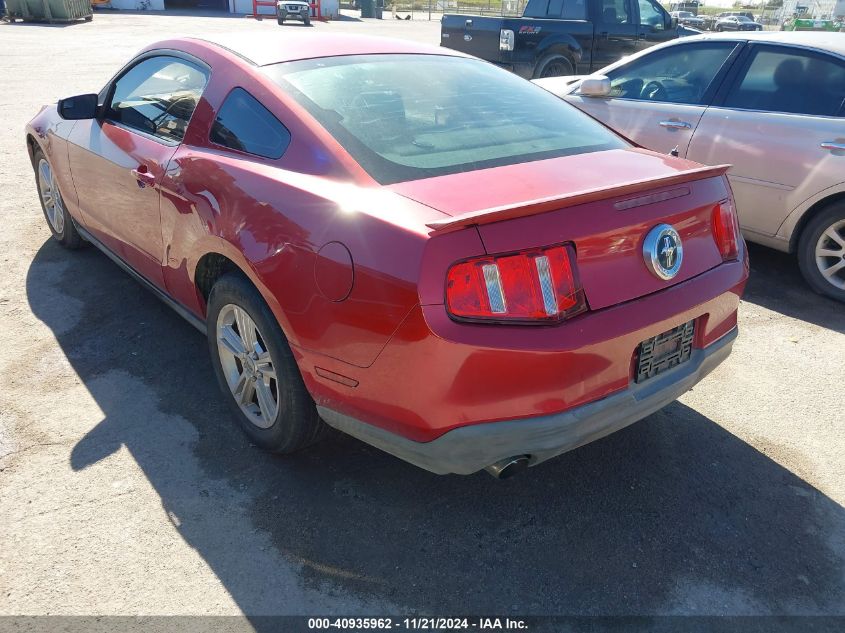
x,y
472,34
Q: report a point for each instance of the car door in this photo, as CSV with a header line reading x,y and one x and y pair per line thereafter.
x,y
615,32
779,121
119,159
658,99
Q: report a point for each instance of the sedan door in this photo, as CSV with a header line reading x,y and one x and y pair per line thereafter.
x,y
119,159
779,123
658,99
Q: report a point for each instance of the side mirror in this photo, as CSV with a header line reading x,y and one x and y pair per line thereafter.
x,y
79,107
595,86
673,23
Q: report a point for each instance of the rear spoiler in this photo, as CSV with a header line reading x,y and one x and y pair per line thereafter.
x,y
554,203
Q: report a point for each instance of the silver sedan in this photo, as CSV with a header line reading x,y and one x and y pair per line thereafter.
x,y
770,104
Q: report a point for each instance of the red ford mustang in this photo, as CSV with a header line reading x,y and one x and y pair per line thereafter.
x,y
408,244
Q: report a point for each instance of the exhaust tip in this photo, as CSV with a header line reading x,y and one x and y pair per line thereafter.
x,y
508,467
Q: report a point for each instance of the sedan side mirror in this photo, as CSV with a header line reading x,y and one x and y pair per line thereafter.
x,y
79,107
595,86
673,23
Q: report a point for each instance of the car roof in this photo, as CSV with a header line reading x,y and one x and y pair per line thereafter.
x,y
833,42
272,48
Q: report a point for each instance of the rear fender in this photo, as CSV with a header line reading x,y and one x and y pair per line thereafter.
x,y
562,44
791,227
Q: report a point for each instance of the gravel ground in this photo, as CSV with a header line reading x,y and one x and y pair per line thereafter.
x,y
126,489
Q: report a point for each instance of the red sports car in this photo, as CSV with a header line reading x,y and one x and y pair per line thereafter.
x,y
408,244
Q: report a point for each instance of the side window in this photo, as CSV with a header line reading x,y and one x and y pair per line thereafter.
x,y
158,96
678,74
566,9
652,15
536,9
245,125
792,81
616,12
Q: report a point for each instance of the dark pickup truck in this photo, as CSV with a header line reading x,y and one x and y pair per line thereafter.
x,y
562,37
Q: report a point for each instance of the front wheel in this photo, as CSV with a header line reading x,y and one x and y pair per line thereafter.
x,y
58,219
306,19
821,252
256,369
280,18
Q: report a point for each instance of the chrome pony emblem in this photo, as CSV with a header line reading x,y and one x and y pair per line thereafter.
x,y
663,252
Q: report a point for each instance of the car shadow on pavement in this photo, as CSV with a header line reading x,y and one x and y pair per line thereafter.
x,y
776,283
671,515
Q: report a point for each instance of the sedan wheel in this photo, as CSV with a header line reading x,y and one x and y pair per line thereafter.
x,y
830,254
256,369
821,252
50,197
58,219
248,366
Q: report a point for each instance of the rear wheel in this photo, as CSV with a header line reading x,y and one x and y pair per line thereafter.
x,y
554,66
821,252
256,369
58,219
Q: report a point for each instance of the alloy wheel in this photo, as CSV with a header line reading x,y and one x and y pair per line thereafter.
x,y
51,197
830,254
247,365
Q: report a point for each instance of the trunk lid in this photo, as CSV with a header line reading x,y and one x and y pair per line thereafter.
x,y
605,203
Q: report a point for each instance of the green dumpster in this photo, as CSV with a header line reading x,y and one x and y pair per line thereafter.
x,y
49,10
368,8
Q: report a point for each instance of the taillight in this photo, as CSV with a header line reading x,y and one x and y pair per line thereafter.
x,y
531,286
726,229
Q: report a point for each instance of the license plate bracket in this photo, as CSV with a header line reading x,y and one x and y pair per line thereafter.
x,y
664,351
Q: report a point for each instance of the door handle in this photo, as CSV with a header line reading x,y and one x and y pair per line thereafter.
x,y
834,147
675,125
144,178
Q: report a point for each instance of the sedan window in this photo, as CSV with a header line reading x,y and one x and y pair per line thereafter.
x,y
792,81
158,96
406,117
245,125
676,74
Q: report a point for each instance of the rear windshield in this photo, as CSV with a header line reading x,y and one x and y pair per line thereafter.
x,y
407,117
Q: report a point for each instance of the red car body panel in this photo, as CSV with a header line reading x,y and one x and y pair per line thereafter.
x,y
354,272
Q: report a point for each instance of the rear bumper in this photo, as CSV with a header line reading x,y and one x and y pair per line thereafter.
x,y
468,449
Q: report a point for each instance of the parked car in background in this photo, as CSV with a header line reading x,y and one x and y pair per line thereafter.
x,y
293,9
770,104
688,19
410,244
710,20
737,23
562,37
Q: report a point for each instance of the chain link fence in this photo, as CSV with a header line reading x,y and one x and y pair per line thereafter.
x,y
433,9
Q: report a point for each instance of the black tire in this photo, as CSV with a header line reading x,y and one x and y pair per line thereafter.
x,y
68,237
306,20
810,236
555,65
280,19
296,424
